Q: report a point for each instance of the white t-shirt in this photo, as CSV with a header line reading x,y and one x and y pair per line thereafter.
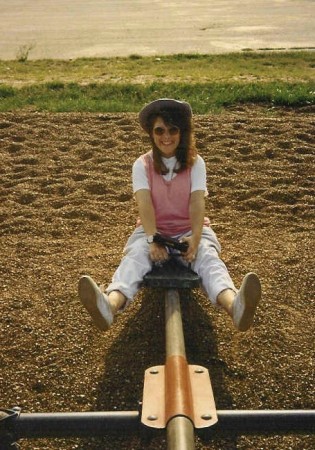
x,y
198,174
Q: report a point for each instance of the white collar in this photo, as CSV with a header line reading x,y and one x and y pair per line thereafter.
x,y
170,162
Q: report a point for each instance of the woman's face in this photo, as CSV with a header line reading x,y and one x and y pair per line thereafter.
x,y
166,137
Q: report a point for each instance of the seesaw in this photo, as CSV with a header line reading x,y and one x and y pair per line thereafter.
x,y
177,397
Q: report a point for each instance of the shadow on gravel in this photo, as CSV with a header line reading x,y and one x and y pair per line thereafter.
x,y
140,345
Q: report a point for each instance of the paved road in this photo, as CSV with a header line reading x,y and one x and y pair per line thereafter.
x,y
78,28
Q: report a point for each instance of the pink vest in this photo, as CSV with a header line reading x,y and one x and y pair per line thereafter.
x,y
170,199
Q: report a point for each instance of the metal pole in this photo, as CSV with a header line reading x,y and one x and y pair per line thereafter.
x,y
175,343
180,434
266,421
40,425
180,429
37,425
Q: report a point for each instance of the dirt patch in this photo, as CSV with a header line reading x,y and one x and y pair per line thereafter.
x,y
66,210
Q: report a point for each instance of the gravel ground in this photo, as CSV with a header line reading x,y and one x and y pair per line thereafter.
x,y
66,210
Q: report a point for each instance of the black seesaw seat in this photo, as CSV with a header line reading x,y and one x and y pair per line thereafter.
x,y
171,275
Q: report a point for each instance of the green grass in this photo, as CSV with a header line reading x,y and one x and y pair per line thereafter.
x,y
208,82
204,97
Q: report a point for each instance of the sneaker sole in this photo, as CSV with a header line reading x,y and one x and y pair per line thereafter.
x,y
88,296
251,294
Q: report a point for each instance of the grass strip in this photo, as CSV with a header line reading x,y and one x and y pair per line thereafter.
x,y
185,68
113,97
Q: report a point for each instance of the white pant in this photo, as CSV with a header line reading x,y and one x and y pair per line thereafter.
x,y
137,262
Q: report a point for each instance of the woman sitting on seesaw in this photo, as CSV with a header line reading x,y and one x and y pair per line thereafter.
x,y
169,184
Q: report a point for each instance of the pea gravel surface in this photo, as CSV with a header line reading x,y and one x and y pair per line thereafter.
x,y
67,209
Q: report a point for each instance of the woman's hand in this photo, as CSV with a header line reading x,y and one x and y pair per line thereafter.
x,y
191,253
158,253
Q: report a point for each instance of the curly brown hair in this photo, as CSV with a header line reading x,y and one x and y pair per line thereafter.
x,y
186,152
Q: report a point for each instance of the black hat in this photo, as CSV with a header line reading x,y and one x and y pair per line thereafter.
x,y
161,104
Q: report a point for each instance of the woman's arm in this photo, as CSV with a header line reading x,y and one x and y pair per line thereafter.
x,y
146,211
147,216
197,213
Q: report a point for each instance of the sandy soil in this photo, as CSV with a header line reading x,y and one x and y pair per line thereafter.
x,y
66,209
97,28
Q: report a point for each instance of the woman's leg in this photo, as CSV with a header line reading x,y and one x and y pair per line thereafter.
x,y
117,301
125,283
214,275
240,305
226,299
134,265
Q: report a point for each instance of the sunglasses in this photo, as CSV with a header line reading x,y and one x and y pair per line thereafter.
x,y
159,131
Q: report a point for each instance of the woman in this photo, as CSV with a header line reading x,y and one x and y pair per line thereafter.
x,y
169,184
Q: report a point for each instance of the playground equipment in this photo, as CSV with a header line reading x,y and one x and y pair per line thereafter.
x,y
177,397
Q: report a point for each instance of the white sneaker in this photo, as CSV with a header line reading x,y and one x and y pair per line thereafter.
x,y
246,301
96,302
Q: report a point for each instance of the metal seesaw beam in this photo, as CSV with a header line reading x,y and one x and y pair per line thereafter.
x,y
177,396
180,429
